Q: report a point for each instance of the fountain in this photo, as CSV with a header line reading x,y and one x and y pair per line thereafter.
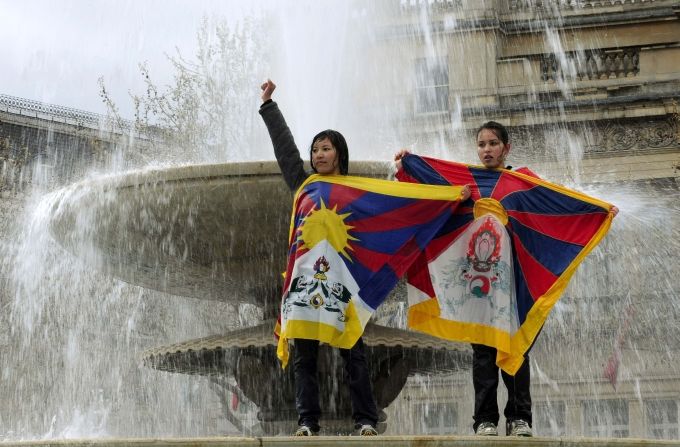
x,y
589,89
218,232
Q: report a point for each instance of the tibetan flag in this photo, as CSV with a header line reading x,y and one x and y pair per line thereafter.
x,y
351,239
498,266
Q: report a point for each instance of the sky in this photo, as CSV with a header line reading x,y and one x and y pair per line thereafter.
x,y
55,51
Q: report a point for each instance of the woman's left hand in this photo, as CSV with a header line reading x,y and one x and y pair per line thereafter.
x,y
465,193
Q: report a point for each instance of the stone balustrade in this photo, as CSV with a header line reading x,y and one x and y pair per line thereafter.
x,y
522,5
519,5
591,65
407,5
37,109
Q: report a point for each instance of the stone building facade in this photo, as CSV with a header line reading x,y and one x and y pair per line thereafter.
x,y
590,93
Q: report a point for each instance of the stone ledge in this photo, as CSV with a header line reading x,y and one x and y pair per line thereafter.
x,y
324,441
263,335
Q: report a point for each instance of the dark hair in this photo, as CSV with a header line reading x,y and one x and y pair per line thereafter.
x,y
340,145
497,128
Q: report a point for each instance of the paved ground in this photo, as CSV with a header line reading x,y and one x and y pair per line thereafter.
x,y
353,441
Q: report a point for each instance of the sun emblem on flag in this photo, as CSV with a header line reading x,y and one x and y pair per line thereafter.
x,y
326,224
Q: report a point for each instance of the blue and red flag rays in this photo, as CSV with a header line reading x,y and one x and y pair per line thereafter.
x,y
548,230
387,231
351,240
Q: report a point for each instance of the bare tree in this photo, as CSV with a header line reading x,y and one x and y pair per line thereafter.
x,y
206,114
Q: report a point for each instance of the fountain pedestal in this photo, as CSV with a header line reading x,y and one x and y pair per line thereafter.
x,y
249,356
219,232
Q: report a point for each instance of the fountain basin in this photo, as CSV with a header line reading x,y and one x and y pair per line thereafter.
x,y
249,355
216,232
220,232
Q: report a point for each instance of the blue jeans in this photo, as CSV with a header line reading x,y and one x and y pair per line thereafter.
x,y
305,353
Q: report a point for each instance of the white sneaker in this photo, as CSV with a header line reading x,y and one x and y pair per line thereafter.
x,y
303,430
486,429
368,430
519,427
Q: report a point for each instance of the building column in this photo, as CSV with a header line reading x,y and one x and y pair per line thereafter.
x,y
636,422
573,419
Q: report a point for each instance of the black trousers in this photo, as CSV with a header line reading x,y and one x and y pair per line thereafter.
x,y
485,381
305,355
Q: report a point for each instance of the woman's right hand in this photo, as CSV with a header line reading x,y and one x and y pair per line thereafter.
x,y
267,90
399,155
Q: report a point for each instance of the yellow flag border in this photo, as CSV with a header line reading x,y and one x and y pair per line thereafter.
x,y
315,330
326,333
425,316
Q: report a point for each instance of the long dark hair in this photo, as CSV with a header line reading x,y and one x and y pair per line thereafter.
x,y
497,128
340,145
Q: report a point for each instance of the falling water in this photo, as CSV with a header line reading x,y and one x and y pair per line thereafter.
x,y
606,351
76,340
72,336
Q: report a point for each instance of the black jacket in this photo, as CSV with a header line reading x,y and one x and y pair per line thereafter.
x,y
285,149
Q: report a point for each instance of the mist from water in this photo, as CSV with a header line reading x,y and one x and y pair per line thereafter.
x,y
72,350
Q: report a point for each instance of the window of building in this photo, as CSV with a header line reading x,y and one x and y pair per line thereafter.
x,y
662,419
605,418
438,418
549,418
432,85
